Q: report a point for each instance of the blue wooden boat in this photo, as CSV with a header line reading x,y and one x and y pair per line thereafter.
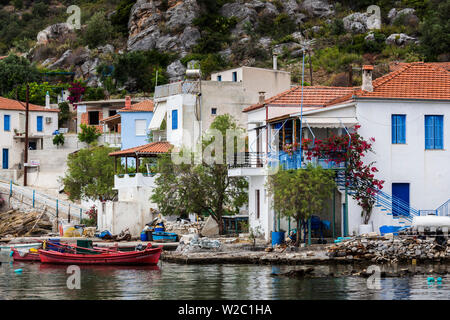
x,y
162,236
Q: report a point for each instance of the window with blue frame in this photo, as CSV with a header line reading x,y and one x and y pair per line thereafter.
x,y
434,132
39,123
174,119
398,125
234,74
219,78
6,122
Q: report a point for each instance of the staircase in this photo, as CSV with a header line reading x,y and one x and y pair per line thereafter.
x,y
385,201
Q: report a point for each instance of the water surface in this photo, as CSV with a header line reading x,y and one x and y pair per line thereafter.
x,y
174,281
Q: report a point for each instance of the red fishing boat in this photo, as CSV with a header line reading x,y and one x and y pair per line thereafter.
x,y
148,256
26,256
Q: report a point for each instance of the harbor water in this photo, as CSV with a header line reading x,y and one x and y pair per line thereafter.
x,y
176,281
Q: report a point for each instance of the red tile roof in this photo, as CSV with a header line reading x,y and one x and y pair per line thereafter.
x,y
143,106
9,104
314,96
415,80
113,117
394,66
146,149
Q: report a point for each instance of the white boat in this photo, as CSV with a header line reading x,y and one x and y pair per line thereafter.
x,y
7,247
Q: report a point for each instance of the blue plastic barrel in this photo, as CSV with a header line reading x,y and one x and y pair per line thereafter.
x,y
277,237
143,236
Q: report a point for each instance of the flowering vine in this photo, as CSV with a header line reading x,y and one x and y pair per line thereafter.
x,y
360,176
76,90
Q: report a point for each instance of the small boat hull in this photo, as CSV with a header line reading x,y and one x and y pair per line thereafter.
x,y
144,257
26,257
21,246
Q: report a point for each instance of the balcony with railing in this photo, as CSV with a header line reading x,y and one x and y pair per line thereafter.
x,y
259,162
174,88
112,138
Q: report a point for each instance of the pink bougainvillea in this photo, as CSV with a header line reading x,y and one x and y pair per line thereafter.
x,y
76,91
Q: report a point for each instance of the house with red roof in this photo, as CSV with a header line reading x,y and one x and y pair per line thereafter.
x,y
42,122
407,111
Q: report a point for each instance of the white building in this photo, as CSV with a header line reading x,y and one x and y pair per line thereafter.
x,y
182,110
189,107
42,123
407,112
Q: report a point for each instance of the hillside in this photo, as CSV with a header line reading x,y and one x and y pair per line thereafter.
x,y
122,45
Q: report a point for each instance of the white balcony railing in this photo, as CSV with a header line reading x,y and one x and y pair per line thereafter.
x,y
181,87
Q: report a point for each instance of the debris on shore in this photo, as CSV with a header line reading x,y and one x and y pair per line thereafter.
x,y
15,223
390,249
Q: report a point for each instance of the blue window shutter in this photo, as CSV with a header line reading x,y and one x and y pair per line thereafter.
x,y
6,124
39,123
401,138
429,132
439,132
174,119
394,128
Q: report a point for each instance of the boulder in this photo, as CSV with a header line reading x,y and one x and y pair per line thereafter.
x,y
408,14
291,7
56,32
356,22
144,40
400,39
182,14
239,11
265,42
176,71
189,37
167,43
317,8
282,47
297,36
64,59
106,49
211,228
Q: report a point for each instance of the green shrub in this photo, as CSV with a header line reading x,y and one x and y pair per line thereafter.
x,y
88,134
58,139
98,30
120,19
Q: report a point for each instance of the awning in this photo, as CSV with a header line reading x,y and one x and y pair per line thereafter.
x,y
329,122
158,117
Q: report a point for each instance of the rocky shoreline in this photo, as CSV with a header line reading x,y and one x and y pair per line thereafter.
x,y
357,250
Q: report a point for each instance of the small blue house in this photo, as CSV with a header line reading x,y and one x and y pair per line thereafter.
x,y
135,120
132,122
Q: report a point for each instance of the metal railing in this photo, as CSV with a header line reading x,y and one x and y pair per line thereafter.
x,y
248,160
60,206
286,161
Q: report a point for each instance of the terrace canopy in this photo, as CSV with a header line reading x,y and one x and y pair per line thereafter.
x,y
151,150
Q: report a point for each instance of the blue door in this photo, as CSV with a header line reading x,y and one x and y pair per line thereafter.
x,y
400,201
5,160
39,123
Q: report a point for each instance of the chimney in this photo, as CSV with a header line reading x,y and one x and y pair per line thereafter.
x,y
262,97
127,102
275,61
47,101
367,78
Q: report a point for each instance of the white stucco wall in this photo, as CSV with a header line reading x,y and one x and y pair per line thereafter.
x,y
426,171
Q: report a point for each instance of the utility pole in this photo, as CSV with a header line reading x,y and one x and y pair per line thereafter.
x,y
25,156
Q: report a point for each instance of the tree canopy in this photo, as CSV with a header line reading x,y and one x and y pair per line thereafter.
x,y
201,188
301,193
90,174
14,71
